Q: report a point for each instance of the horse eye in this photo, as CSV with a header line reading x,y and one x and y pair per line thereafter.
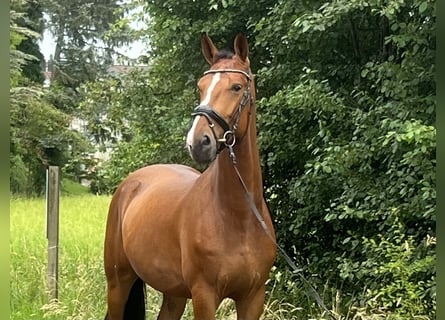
x,y
236,87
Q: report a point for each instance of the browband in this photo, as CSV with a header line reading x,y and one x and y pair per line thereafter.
x,y
229,70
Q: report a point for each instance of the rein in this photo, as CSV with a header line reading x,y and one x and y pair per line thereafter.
x,y
286,257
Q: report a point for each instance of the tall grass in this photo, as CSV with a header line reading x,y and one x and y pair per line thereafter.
x,y
81,280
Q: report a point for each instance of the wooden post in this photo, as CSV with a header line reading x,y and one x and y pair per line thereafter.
x,y
52,228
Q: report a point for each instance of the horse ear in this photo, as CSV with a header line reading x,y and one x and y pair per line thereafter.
x,y
241,46
208,48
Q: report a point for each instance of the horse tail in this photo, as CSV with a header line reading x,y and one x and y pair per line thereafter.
x,y
135,306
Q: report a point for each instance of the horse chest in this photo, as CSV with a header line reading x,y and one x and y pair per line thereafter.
x,y
230,262
225,248
240,270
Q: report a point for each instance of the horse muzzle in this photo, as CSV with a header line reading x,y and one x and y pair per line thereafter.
x,y
201,144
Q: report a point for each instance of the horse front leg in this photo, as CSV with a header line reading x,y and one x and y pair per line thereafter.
x,y
251,307
205,302
172,308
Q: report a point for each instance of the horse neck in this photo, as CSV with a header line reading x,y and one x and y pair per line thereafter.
x,y
227,182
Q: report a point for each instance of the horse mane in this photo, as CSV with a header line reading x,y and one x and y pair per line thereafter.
x,y
223,54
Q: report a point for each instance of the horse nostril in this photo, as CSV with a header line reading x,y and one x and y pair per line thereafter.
x,y
205,140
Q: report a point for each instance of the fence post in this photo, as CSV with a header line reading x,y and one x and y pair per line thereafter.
x,y
52,228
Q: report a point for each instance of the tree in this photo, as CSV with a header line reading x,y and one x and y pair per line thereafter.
x,y
86,33
40,134
140,118
32,20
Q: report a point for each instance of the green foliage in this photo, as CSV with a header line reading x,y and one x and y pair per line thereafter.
x,y
18,34
354,163
33,21
39,137
88,20
397,269
19,176
39,134
143,112
86,34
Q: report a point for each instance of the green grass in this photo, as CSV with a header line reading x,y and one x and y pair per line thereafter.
x,y
81,279
72,188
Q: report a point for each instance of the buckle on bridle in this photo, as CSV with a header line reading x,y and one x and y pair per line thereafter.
x,y
229,139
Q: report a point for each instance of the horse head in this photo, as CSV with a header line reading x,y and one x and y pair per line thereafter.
x,y
226,91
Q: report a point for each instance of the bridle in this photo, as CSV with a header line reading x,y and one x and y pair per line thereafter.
x,y
228,139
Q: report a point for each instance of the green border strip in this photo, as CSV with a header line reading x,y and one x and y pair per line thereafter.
x,y
440,173
4,161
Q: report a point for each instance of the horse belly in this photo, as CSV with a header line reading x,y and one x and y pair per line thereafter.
x,y
151,231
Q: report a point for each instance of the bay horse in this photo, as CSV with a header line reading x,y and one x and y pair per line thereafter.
x,y
191,235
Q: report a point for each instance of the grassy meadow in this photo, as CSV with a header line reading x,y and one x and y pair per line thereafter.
x,y
82,285
81,279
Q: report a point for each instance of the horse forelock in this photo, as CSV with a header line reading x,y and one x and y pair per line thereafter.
x,y
223,54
